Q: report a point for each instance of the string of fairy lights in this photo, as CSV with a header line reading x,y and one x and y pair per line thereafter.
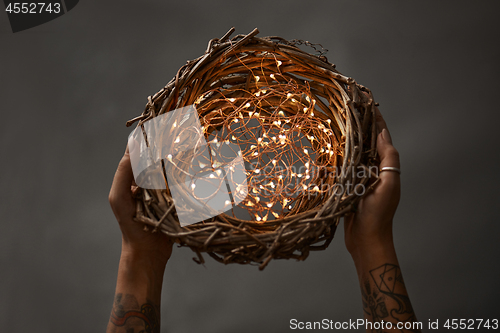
x,y
273,123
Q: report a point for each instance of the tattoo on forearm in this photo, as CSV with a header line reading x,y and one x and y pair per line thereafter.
x,y
385,297
132,318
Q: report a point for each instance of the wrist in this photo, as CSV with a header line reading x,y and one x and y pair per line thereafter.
x,y
142,260
147,253
370,255
140,276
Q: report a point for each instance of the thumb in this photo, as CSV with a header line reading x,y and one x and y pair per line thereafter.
x,y
123,180
389,156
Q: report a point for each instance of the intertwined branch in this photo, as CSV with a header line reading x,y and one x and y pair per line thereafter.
x,y
304,130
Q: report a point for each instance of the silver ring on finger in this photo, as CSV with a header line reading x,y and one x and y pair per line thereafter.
x,y
391,169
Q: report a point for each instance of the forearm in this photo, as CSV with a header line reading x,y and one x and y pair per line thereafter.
x,y
136,306
383,291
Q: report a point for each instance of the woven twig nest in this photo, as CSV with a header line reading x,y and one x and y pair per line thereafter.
x,y
304,133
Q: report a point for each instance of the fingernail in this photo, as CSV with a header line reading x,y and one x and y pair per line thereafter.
x,y
386,136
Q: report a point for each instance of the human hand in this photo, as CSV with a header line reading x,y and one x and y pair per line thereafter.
x,y
370,227
136,243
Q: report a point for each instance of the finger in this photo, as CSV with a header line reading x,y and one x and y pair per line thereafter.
x,y
124,177
379,120
389,156
133,150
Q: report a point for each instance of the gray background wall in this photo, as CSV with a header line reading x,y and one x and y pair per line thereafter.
x,y
68,86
